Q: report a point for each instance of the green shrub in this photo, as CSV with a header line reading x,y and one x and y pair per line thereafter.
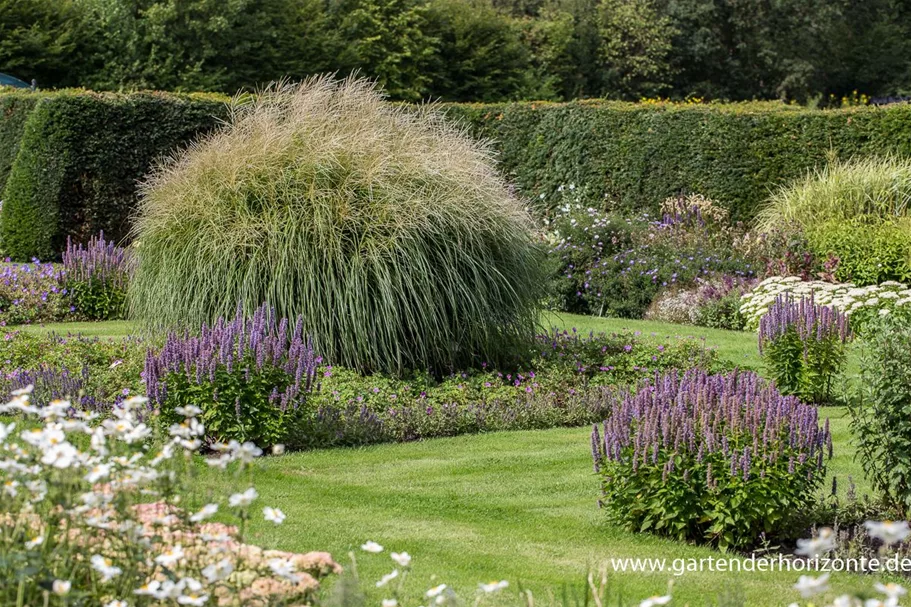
x,y
858,211
91,372
880,410
80,159
96,277
623,276
803,346
639,154
384,227
720,459
15,108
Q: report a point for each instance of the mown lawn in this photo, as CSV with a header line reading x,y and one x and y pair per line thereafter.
x,y
519,506
513,505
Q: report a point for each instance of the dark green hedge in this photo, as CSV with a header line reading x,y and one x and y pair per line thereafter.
x,y
15,107
81,158
639,154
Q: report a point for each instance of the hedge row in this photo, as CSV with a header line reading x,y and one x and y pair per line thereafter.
x,y
75,158
639,154
15,108
80,160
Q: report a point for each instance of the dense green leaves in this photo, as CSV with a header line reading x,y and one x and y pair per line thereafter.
x,y
80,159
881,410
636,155
813,51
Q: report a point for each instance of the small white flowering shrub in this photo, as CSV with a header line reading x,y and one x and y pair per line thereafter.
x,y
92,515
861,304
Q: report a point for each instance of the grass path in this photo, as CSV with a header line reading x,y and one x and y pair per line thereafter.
x,y
513,505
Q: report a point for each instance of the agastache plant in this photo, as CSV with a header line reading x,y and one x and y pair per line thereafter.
x,y
249,374
720,459
97,276
803,345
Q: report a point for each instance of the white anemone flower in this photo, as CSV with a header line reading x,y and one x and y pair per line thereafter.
x,y
821,544
387,578
283,568
808,586
371,546
242,500
436,591
170,556
889,532
216,572
273,515
61,587
494,586
655,600
207,511
105,567
402,559
891,590
390,603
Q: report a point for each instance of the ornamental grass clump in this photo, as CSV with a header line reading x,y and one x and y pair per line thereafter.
x,y
858,211
803,346
249,375
719,459
96,276
383,227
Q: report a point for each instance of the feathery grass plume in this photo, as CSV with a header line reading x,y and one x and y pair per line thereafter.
x,y
857,213
385,228
874,188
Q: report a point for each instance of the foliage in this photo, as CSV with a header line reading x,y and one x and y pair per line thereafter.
x,y
79,161
861,304
479,55
858,211
879,410
712,458
93,373
605,264
802,344
91,516
14,111
568,382
248,375
32,292
96,277
39,39
384,227
577,238
635,48
387,40
636,155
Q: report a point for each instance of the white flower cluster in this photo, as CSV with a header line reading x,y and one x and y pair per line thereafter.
x,y
872,300
94,513
889,533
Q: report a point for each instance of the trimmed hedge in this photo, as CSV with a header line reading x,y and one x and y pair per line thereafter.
x,y
15,108
82,154
639,154
81,158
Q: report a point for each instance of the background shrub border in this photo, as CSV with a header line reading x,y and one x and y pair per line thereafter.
x,y
74,157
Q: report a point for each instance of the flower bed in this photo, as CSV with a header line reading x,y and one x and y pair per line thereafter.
x,y
861,304
92,516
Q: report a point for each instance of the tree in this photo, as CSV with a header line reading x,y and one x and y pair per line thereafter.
x,y
386,40
635,48
39,40
480,55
